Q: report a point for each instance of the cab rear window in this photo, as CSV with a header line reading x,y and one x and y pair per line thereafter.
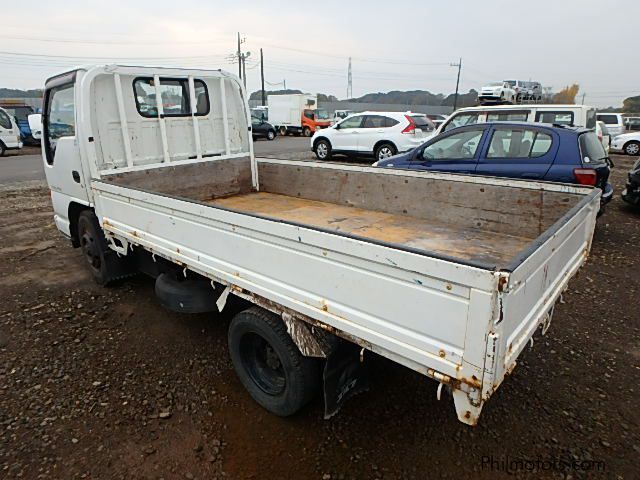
x,y
174,93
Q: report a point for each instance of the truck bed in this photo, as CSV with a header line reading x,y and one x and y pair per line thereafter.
x,y
449,239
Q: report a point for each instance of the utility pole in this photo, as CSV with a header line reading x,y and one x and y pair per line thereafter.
x,y
262,75
455,99
239,58
583,95
284,83
349,82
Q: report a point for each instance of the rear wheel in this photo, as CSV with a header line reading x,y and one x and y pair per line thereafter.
x,y
323,149
2,149
269,364
306,131
104,264
282,131
632,148
384,150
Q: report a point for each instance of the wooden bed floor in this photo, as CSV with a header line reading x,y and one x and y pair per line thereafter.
x,y
467,244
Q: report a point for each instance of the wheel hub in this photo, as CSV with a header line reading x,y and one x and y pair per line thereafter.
x,y
90,251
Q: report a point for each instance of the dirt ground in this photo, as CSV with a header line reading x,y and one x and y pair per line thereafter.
x,y
104,383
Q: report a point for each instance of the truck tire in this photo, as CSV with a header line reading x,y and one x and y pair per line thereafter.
x,y
632,148
187,295
105,264
269,364
282,131
306,131
2,149
322,149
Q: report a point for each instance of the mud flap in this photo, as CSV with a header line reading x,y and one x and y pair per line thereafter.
x,y
344,376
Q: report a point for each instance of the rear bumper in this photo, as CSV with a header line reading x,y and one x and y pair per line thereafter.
x,y
13,146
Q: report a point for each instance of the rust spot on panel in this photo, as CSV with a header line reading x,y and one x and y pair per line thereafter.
x,y
449,287
502,282
442,354
473,381
468,414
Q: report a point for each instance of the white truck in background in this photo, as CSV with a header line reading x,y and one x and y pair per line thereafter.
x,y
297,113
449,275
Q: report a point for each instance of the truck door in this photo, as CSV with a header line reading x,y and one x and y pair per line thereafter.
x,y
518,152
62,161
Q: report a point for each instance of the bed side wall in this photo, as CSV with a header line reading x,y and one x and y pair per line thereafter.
x,y
501,209
200,181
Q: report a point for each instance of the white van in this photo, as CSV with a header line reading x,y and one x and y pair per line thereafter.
x,y
572,115
615,123
9,133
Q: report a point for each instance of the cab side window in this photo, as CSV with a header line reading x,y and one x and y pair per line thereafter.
x,y
5,121
60,118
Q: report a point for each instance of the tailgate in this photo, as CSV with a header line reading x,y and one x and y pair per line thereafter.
x,y
539,277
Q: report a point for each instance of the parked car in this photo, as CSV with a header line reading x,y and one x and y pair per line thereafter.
x,y
603,135
526,90
632,123
497,92
20,113
9,133
569,115
437,119
631,193
262,129
261,111
614,121
381,134
515,150
628,143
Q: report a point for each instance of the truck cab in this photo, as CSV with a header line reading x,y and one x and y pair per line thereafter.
x,y
314,120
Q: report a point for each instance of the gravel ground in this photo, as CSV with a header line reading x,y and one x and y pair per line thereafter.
x,y
103,383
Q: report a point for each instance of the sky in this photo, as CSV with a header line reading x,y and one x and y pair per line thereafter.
x,y
393,45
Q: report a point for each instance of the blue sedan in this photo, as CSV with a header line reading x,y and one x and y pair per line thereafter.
x,y
515,150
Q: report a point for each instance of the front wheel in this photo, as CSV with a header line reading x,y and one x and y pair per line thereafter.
x,y
105,264
2,149
271,135
306,131
323,150
269,364
385,150
632,148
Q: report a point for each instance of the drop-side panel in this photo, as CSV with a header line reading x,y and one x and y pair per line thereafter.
x,y
535,285
412,305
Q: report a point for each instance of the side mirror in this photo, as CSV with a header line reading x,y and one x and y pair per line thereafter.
x,y
35,124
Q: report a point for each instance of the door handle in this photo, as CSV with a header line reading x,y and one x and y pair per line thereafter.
x,y
76,176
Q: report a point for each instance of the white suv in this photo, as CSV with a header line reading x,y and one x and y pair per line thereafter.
x,y
381,134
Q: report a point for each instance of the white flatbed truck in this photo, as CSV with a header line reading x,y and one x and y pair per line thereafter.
x,y
449,275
